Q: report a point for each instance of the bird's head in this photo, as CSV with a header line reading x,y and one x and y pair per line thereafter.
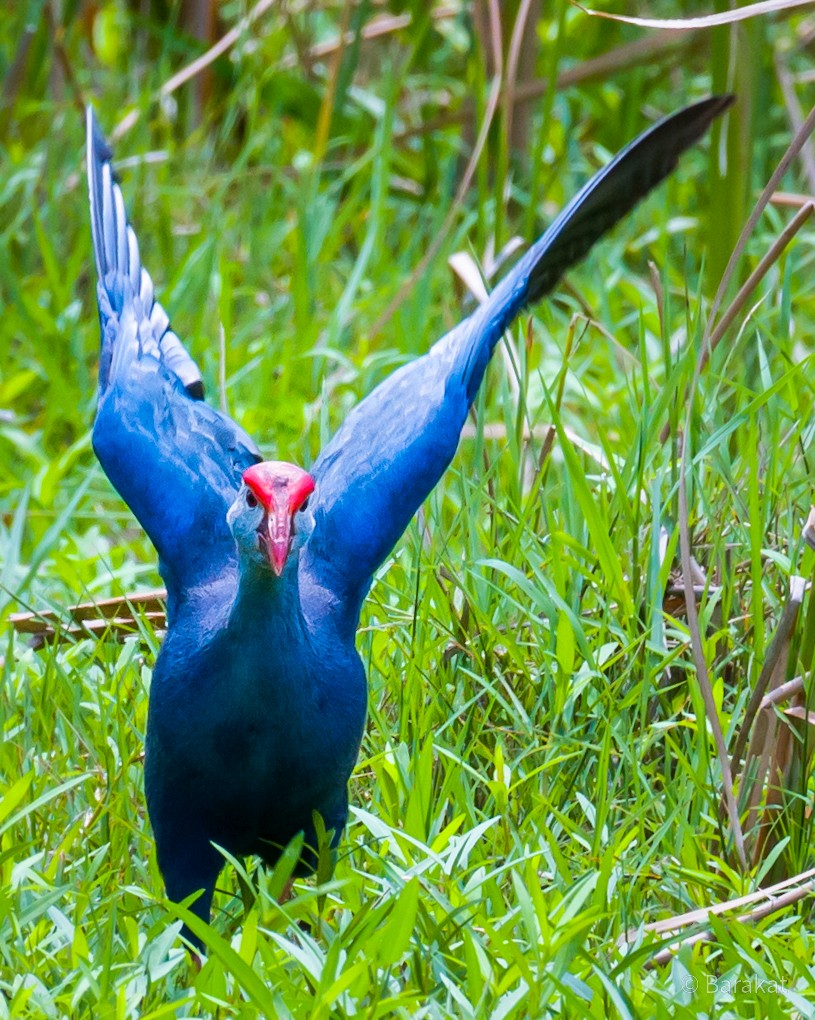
x,y
270,514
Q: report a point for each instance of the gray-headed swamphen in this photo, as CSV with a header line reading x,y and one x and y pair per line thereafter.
x,y
258,697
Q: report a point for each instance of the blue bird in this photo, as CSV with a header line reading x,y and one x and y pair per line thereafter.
x,y
258,697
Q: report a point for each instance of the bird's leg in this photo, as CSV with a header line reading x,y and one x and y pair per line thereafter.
x,y
285,895
286,891
248,894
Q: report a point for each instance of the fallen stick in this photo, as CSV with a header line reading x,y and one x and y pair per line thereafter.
x,y
791,890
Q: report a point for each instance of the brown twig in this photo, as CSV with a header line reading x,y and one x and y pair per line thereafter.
x,y
326,113
701,914
716,328
118,609
782,692
15,74
768,752
621,58
117,627
787,899
790,199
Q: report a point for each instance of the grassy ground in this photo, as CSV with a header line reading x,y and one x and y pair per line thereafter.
x,y
539,774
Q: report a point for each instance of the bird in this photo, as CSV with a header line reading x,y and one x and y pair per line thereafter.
x,y
258,697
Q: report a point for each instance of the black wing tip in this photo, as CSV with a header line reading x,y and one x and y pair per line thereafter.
x,y
98,145
700,115
607,197
712,105
719,103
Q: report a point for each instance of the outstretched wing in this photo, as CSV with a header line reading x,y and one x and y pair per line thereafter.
x,y
394,446
176,461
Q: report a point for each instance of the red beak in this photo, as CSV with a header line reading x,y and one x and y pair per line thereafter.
x,y
277,537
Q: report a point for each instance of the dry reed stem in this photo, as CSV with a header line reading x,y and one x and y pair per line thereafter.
x,y
782,692
774,904
701,914
115,617
714,334
778,646
755,10
790,199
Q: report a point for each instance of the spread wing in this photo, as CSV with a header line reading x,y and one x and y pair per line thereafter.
x,y
394,446
176,461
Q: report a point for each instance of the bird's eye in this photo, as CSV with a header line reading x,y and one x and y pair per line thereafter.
x,y
251,499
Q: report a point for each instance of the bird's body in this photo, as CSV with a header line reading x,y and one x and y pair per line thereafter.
x,y
257,704
258,697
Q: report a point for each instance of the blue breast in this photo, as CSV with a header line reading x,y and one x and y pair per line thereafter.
x,y
257,708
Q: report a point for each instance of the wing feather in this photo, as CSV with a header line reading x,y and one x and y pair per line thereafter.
x,y
394,446
176,461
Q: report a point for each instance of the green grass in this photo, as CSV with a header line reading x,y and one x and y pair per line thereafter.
x,y
537,775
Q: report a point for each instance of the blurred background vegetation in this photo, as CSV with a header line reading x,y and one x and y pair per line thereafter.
x,y
540,774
